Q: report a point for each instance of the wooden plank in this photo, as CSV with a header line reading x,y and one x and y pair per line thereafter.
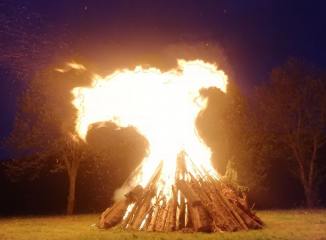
x,y
153,219
161,217
112,216
188,192
200,218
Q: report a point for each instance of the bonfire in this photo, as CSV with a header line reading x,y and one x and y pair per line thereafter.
x,y
175,188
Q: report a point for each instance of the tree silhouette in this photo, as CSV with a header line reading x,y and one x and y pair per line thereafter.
x,y
43,129
293,108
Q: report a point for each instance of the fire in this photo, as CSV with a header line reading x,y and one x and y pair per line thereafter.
x,y
162,106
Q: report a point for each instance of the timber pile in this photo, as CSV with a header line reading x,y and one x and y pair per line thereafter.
x,y
198,203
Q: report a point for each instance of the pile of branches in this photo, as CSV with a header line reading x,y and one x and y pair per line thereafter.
x,y
199,203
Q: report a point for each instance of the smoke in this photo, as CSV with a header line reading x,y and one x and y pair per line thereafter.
x,y
127,186
120,193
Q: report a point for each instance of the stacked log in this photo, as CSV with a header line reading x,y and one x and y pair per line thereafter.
x,y
113,215
198,202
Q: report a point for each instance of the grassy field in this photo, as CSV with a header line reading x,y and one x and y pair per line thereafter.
x,y
279,225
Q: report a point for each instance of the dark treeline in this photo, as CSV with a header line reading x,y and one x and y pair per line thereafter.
x,y
271,140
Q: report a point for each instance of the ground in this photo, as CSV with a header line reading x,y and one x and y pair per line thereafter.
x,y
294,224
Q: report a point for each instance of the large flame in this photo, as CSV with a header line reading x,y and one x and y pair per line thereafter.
x,y
162,106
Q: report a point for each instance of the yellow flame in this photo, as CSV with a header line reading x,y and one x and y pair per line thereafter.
x,y
76,66
162,106
129,209
71,65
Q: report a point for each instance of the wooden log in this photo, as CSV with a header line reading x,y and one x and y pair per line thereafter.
x,y
153,219
239,203
200,218
170,218
177,211
144,226
134,197
232,206
250,219
181,219
242,203
197,216
161,218
144,205
188,192
135,194
138,197
199,202
166,221
188,218
233,221
174,212
250,222
113,215
126,223
213,204
140,215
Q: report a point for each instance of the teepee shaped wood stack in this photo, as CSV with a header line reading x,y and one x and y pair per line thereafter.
x,y
198,203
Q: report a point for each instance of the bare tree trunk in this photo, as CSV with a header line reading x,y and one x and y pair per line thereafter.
x,y
72,157
309,178
72,176
310,192
306,176
310,196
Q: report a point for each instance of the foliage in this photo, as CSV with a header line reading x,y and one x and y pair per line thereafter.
x,y
293,112
44,123
43,138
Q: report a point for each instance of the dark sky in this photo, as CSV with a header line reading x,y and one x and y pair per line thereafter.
x,y
255,35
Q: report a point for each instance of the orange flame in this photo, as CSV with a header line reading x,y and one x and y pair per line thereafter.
x,y
162,106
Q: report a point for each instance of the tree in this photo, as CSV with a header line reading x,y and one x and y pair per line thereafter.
x,y
293,109
44,127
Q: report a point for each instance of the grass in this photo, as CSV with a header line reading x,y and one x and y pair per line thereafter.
x,y
293,224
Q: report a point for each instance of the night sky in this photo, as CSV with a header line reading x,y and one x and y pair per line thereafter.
x,y
255,36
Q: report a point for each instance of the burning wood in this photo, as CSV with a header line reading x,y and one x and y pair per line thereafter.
x,y
199,203
179,190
